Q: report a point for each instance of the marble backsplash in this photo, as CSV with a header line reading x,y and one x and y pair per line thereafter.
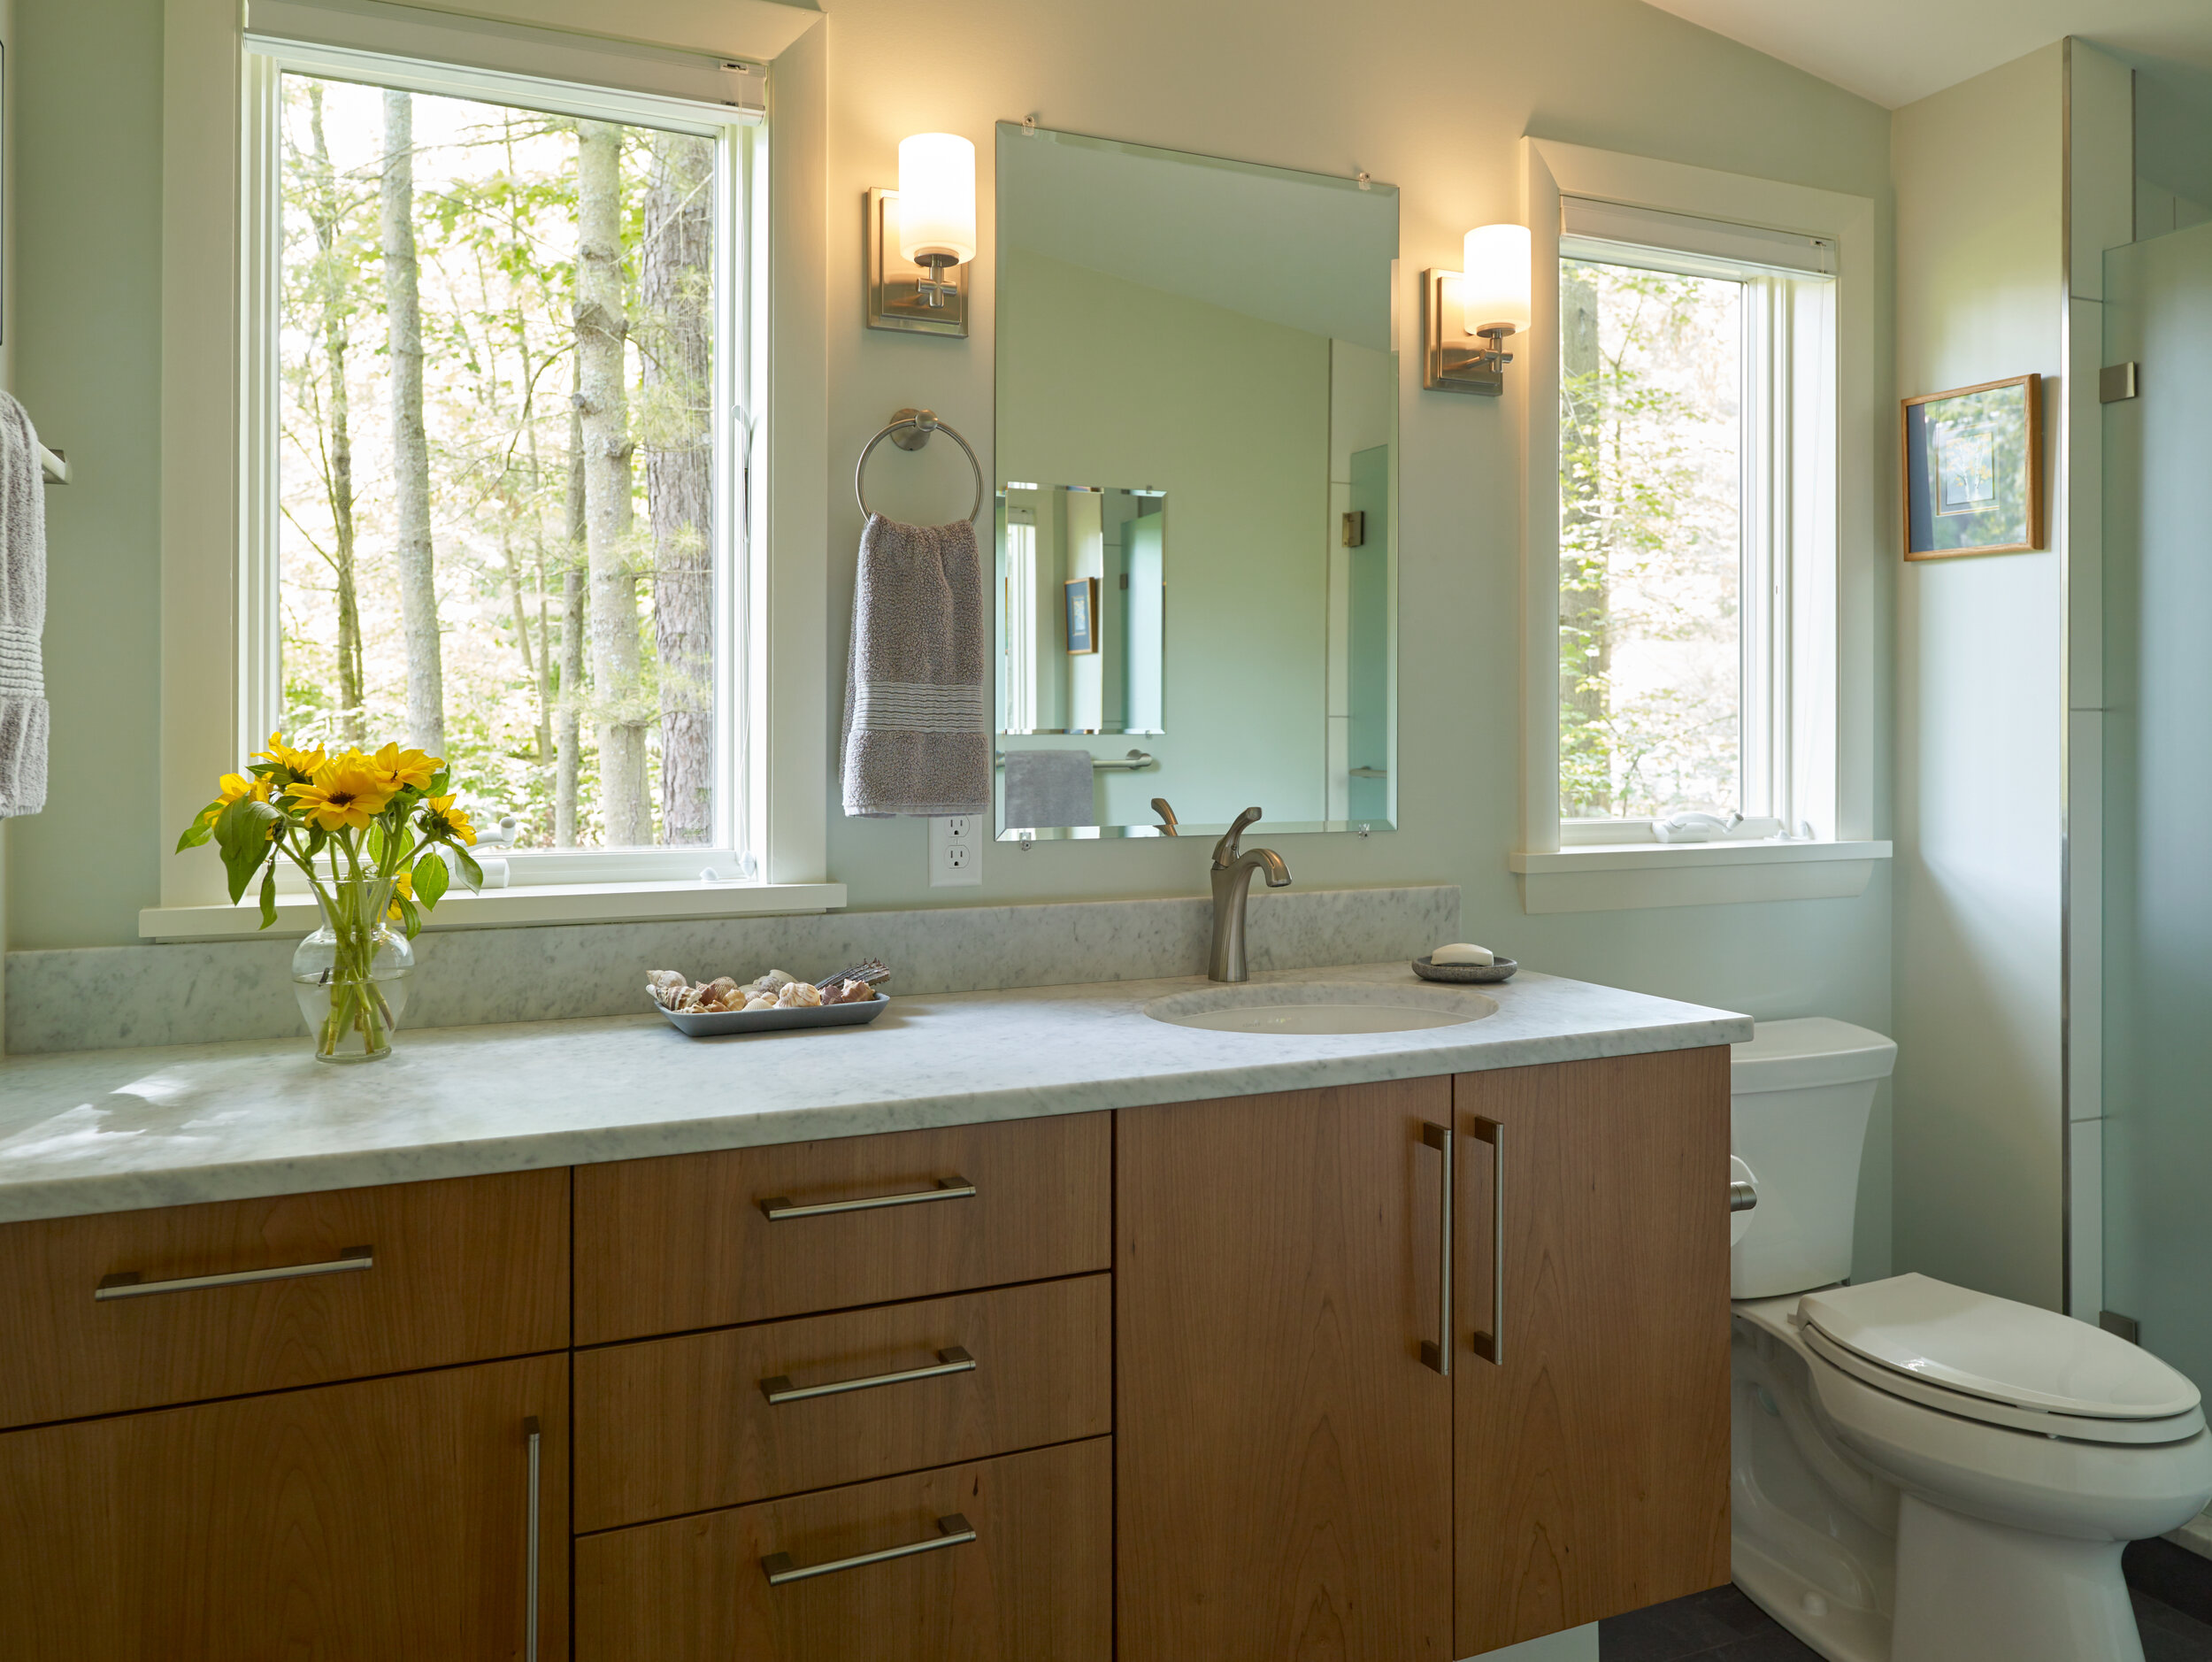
x,y
99,997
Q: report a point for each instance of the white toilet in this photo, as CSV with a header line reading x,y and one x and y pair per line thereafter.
x,y
1922,1474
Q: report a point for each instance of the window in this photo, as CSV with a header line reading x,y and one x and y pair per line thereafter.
x,y
498,432
1697,442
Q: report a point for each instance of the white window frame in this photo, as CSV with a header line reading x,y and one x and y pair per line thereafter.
x,y
218,566
1809,633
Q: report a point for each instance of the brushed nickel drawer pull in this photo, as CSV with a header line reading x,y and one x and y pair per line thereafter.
x,y
127,1284
1438,1354
952,1359
780,1209
952,1531
1491,1346
530,1576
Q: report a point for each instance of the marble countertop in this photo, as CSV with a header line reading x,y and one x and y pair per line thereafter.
x,y
117,1130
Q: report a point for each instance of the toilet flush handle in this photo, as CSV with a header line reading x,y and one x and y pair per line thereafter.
x,y
1743,1196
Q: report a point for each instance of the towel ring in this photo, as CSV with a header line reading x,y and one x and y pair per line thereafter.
x,y
909,430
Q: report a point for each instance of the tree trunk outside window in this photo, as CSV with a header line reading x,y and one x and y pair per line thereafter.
x,y
411,449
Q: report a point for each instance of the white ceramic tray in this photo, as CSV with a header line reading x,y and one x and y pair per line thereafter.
x,y
714,1024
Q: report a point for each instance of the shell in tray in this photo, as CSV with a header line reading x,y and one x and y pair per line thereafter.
x,y
714,1024
1479,973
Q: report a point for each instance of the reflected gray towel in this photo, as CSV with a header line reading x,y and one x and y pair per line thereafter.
x,y
22,614
917,732
1049,788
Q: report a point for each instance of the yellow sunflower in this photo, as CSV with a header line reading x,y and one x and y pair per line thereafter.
x,y
347,790
303,763
404,769
440,818
234,787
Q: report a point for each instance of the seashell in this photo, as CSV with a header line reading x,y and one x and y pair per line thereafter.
x,y
759,1001
850,993
778,980
798,996
666,986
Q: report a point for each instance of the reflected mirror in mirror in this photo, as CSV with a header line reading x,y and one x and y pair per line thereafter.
x,y
1196,522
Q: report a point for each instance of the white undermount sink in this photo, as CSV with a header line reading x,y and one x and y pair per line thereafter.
x,y
1321,1007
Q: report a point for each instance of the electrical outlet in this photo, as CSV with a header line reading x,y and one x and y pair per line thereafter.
x,y
955,851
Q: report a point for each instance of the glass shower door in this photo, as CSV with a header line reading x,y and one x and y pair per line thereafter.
x,y
2157,1130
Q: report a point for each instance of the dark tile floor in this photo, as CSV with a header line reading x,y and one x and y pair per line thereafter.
x,y
2172,1590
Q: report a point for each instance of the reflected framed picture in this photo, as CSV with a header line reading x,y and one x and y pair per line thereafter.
x,y
1974,470
1082,606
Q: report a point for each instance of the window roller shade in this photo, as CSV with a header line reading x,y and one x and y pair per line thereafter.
x,y
549,69
1612,231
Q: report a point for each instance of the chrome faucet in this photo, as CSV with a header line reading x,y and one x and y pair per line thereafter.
x,y
1232,881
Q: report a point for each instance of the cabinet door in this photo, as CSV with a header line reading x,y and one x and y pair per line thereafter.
x,y
1283,1452
1591,1453
347,1523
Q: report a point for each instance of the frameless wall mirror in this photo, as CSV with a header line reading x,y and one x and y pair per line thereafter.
x,y
1198,477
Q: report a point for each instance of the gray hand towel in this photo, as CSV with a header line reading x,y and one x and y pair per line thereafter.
x,y
917,696
1049,788
23,715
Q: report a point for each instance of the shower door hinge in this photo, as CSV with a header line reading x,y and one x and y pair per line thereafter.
x,y
2126,1326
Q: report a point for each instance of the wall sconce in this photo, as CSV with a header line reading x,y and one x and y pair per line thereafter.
x,y
1488,300
920,234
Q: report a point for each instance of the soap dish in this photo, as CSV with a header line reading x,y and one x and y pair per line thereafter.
x,y
1502,970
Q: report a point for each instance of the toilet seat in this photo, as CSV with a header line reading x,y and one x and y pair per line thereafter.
x,y
2004,1364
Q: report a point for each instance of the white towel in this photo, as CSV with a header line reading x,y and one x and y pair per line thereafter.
x,y
23,716
1045,788
916,695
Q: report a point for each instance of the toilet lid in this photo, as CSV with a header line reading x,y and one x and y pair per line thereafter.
x,y
1996,1348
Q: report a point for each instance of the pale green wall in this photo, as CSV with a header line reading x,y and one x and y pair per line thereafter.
x,y
88,366
1981,711
1110,383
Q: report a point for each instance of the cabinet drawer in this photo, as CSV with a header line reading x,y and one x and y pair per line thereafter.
x,y
671,1426
244,1295
706,1240
1034,1582
365,1522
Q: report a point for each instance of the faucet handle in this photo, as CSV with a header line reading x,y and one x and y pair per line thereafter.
x,y
1225,851
1160,806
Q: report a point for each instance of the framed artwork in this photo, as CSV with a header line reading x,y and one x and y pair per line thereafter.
x,y
1082,607
1974,470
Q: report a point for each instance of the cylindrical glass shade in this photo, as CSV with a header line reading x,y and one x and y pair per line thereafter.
x,y
1494,286
937,196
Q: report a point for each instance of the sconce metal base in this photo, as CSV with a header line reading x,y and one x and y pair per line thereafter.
x,y
1444,366
896,296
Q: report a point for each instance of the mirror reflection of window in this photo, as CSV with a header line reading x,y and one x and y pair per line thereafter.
x,y
1211,342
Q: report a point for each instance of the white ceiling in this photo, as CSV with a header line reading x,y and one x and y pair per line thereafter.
x,y
1895,52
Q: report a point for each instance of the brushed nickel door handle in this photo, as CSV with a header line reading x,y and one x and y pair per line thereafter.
x,y
779,1210
129,1284
951,1360
530,1539
1491,1346
1438,1354
952,1531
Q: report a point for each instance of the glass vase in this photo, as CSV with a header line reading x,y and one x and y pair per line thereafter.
x,y
350,975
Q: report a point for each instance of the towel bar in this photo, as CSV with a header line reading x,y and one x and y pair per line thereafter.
x,y
909,430
1135,762
54,465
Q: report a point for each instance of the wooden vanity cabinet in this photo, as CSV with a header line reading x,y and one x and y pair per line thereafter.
x,y
1591,1455
360,1522
1284,1453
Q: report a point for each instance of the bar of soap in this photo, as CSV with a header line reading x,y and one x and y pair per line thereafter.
x,y
1461,952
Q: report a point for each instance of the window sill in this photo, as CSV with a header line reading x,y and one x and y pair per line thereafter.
x,y
1621,877
512,908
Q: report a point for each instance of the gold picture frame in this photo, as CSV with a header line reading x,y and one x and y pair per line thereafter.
x,y
1972,476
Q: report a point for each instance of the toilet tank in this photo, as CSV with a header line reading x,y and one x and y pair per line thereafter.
x,y
1799,1094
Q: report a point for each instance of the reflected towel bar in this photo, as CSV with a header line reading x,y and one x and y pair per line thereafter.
x,y
1135,762
54,466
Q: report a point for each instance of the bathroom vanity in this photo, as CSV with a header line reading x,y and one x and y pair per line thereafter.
x,y
1414,1347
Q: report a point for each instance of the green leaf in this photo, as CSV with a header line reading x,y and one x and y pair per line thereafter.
x,y
472,873
268,896
430,879
202,827
241,832
440,784
410,920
